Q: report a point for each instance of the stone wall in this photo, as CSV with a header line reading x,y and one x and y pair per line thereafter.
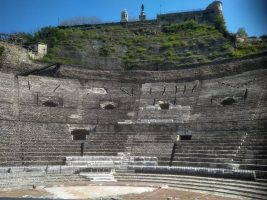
x,y
199,16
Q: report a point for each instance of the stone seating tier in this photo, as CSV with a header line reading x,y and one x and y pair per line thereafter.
x,y
225,187
222,106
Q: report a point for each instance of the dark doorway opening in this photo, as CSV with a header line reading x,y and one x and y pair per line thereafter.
x,y
164,106
228,101
185,137
79,134
50,103
109,107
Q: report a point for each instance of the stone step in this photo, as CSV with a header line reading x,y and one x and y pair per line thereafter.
x,y
99,177
209,141
218,186
199,159
91,163
37,158
254,161
198,179
47,180
255,156
261,175
197,147
110,158
94,158
253,167
196,164
58,153
252,151
27,163
206,151
207,155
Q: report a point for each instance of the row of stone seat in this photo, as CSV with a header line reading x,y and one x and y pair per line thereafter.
x,y
35,180
225,187
222,149
205,149
39,150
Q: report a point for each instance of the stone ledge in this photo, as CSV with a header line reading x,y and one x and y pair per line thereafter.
x,y
196,171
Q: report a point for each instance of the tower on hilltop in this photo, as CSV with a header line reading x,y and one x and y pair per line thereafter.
x,y
124,16
142,16
216,6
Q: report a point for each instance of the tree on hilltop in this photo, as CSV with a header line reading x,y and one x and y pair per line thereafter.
x,y
242,33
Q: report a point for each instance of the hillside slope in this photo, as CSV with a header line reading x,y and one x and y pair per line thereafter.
x,y
141,45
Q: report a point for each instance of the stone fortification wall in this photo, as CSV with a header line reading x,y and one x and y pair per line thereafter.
x,y
202,16
126,111
207,15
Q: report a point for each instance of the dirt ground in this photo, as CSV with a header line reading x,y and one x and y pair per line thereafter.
x,y
121,191
171,194
25,193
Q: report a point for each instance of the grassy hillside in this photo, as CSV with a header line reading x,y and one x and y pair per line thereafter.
x,y
132,47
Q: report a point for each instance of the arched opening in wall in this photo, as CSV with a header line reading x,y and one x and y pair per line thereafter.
x,y
228,101
79,134
108,105
164,105
50,103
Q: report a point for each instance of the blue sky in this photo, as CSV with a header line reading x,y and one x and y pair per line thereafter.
x,y
31,15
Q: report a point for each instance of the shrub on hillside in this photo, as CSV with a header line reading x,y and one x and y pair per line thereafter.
x,y
104,51
242,33
220,24
174,28
243,50
2,49
166,45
